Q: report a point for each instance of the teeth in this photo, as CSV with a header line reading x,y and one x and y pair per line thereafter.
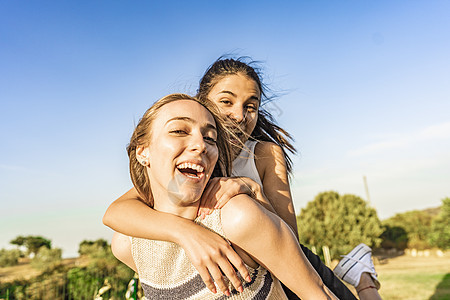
x,y
192,166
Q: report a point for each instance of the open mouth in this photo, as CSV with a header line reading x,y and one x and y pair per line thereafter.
x,y
191,170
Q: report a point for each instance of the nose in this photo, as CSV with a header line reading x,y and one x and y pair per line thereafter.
x,y
197,143
237,114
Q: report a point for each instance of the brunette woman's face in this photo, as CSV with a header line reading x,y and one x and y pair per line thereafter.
x,y
238,98
182,151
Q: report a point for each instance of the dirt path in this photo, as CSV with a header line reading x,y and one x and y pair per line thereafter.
x,y
24,270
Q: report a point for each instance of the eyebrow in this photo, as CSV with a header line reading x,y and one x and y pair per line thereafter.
x,y
253,97
190,120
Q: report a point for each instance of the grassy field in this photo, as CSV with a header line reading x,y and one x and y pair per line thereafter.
x,y
415,278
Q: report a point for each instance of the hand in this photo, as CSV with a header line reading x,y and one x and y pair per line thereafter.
x,y
211,255
221,189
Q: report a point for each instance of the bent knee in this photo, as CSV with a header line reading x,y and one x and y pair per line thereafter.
x,y
241,212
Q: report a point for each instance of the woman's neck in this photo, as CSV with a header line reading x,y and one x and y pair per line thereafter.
x,y
175,205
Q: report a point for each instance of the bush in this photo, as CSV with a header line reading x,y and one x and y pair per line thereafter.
x,y
59,281
82,284
440,228
50,285
416,224
46,258
103,270
9,257
394,237
91,247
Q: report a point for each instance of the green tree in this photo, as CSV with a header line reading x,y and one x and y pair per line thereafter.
x,y
416,224
32,243
440,227
19,241
339,222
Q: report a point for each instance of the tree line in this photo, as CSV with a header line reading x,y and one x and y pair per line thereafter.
x,y
343,221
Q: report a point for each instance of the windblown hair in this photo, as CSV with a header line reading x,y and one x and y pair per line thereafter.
x,y
266,128
142,137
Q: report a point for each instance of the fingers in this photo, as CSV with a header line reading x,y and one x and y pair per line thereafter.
x,y
237,262
231,274
223,198
219,279
225,261
213,274
223,270
229,188
215,259
204,274
219,191
209,198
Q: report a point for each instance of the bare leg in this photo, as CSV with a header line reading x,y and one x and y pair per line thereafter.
x,y
367,289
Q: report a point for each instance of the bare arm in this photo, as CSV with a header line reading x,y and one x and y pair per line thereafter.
x,y
270,241
132,217
206,250
272,170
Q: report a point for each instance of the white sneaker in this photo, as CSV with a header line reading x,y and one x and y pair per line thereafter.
x,y
358,261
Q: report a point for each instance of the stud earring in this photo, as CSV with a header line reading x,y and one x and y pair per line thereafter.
x,y
144,163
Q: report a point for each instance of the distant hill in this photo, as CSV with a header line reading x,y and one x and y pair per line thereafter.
x,y
432,212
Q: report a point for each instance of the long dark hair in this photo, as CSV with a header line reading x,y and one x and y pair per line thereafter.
x,y
266,128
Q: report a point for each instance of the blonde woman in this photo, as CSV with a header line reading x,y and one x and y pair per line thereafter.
x,y
178,145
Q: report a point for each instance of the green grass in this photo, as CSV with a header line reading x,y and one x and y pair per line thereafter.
x,y
415,278
415,286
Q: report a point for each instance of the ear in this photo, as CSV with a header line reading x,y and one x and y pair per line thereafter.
x,y
142,155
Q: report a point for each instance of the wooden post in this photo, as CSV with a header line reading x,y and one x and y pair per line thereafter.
x,y
326,256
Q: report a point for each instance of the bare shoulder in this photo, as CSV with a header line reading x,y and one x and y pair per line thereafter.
x,y
267,149
269,157
269,153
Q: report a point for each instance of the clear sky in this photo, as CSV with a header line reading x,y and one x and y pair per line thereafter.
x,y
364,86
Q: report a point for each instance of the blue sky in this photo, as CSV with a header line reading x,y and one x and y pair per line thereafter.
x,y
364,90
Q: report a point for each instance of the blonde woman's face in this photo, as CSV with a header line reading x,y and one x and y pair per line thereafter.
x,y
182,151
238,98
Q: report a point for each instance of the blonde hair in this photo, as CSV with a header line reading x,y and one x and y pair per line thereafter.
x,y
141,137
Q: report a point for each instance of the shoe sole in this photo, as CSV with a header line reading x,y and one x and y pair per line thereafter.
x,y
357,250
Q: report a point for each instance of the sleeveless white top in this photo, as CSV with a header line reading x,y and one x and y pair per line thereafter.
x,y
244,164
